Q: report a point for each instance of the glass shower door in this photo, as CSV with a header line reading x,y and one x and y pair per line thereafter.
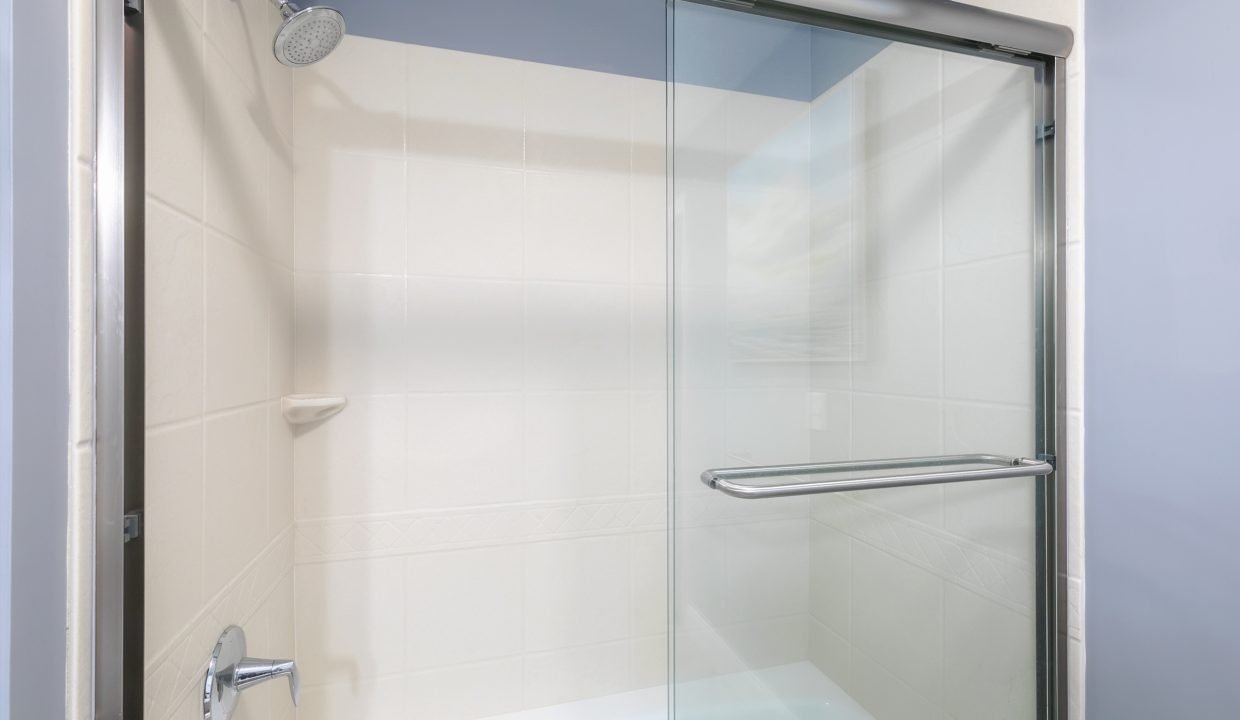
x,y
856,223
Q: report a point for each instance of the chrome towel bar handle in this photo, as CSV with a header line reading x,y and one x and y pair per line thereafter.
x,y
728,480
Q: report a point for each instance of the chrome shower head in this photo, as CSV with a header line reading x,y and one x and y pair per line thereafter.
x,y
306,36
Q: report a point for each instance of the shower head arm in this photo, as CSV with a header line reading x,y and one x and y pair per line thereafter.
x,y
286,7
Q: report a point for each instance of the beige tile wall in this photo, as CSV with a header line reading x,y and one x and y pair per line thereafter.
x,y
479,267
219,325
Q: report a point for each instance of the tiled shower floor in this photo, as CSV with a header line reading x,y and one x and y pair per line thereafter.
x,y
788,692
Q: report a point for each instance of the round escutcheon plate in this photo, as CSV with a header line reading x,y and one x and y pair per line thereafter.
x,y
219,695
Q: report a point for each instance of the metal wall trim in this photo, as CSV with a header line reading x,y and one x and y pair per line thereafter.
x,y
116,620
943,18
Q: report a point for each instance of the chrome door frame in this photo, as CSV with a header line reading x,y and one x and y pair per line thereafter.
x,y
117,601
117,618
956,27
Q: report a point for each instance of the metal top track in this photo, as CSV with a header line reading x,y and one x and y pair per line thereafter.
x,y
942,18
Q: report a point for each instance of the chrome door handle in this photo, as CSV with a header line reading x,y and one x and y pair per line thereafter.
x,y
252,671
996,467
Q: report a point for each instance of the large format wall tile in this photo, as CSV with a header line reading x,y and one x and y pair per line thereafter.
x,y
174,315
354,102
577,227
235,156
235,498
465,449
562,676
238,315
897,617
479,254
464,606
576,592
350,620
355,464
350,334
981,677
984,359
464,335
452,692
577,120
349,211
904,343
174,507
174,84
575,445
219,338
577,337
467,107
447,237
377,699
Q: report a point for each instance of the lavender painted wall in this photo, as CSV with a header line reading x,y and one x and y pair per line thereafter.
x,y
34,298
717,47
625,37
1163,363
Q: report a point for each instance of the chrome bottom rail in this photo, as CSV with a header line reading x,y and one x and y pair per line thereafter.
x,y
998,467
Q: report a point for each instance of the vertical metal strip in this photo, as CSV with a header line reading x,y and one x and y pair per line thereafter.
x,y
670,318
1057,541
135,356
6,350
1049,306
108,616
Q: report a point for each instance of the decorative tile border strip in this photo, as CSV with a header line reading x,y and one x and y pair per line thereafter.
x,y
438,530
995,575
701,507
178,667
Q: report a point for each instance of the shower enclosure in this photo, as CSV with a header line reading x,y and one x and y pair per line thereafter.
x,y
617,359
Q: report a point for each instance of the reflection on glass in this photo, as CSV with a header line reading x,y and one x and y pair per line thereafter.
x,y
854,227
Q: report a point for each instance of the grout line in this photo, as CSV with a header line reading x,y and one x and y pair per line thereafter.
x,y
202,269
260,604
948,400
514,280
989,259
204,418
497,507
481,662
327,558
209,604
942,240
524,357
955,580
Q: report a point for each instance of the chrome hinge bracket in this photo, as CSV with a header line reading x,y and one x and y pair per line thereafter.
x,y
1051,459
1046,131
1012,50
133,525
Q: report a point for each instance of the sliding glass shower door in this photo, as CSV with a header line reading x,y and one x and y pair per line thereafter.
x,y
857,227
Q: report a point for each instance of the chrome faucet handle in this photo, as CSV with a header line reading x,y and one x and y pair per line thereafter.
x,y
253,671
231,672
